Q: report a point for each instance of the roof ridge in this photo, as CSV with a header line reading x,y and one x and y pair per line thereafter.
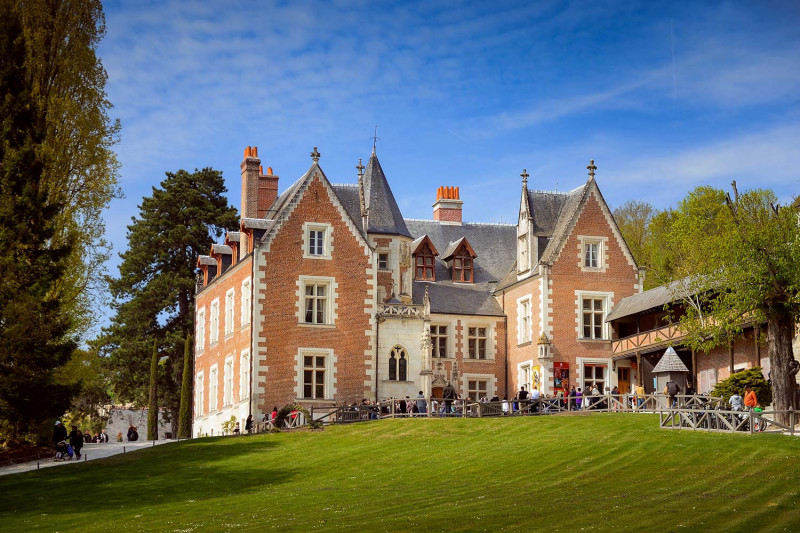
x,y
501,224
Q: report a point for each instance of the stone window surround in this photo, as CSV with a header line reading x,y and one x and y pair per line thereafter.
x,y
227,382
244,372
199,394
330,365
327,247
230,302
200,327
213,385
491,342
331,309
602,253
490,379
246,302
213,322
524,337
608,304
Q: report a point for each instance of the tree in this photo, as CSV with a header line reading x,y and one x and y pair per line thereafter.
x,y
152,412
35,330
153,295
633,219
744,254
185,416
67,82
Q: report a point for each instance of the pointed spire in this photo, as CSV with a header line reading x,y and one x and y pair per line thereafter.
x,y
525,177
315,155
382,211
591,168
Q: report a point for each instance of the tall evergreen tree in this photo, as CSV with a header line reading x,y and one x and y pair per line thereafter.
x,y
152,412
153,296
185,416
34,329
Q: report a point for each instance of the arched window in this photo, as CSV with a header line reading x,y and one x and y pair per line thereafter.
x,y
462,265
403,364
425,263
398,364
392,367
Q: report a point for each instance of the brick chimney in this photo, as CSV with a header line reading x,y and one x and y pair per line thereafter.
x,y
259,190
267,190
448,206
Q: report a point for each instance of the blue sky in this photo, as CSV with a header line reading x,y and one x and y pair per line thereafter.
x,y
664,96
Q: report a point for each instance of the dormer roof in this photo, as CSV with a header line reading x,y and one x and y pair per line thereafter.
x,y
416,245
221,249
206,260
453,247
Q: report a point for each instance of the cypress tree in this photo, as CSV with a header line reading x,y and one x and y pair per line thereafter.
x,y
185,416
152,414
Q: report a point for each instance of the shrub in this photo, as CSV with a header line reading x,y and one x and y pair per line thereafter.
x,y
752,377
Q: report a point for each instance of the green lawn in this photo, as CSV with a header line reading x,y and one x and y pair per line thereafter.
x,y
556,473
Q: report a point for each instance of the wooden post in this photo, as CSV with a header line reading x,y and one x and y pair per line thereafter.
x,y
639,377
694,370
756,335
730,349
750,414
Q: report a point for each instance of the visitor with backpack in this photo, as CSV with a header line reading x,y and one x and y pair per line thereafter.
x,y
76,441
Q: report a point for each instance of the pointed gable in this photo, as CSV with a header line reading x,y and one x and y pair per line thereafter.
x,y
383,214
453,247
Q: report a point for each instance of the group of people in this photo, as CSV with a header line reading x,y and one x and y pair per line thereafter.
x,y
748,403
69,445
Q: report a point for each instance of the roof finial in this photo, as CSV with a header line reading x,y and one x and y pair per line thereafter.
x,y
360,168
525,177
591,167
315,155
375,139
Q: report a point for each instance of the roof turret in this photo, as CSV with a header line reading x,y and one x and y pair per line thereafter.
x,y
382,213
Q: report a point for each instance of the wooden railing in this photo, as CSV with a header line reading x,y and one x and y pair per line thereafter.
x,y
647,339
727,421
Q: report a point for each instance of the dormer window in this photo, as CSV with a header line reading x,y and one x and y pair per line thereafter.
x,y
462,260
424,259
462,266
425,264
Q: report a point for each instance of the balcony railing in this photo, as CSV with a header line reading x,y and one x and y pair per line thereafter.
x,y
655,338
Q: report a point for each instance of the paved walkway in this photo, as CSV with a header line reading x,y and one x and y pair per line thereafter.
x,y
89,452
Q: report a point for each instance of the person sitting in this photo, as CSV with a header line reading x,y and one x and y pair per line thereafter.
x,y
133,435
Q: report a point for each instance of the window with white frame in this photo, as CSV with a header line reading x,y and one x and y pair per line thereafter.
x,y
525,376
317,240
595,375
438,340
398,364
212,389
227,384
477,389
200,334
593,310
314,370
317,300
476,342
230,297
592,252
524,320
198,390
707,378
244,375
246,295
214,322
383,261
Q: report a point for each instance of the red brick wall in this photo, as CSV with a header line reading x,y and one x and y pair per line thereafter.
x,y
230,345
744,353
566,277
280,335
447,214
518,353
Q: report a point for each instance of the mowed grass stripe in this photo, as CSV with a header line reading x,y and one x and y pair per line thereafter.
x,y
558,473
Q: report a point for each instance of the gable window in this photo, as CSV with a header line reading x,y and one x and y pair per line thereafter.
x,y
230,296
592,253
523,320
227,383
476,342
592,315
438,341
398,364
522,256
201,329
314,369
244,375
425,262
317,240
214,323
246,301
383,261
462,266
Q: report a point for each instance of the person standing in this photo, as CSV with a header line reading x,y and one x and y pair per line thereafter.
x,y
248,424
422,405
750,400
449,394
673,389
59,432
571,401
536,396
76,441
578,399
103,436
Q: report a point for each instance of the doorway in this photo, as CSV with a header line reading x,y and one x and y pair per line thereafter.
x,y
624,379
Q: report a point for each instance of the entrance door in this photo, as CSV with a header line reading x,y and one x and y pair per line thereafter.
x,y
437,392
624,379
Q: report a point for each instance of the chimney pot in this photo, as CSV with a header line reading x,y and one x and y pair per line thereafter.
x,y
448,205
269,171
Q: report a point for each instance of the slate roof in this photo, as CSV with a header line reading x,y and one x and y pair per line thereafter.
x,y
348,196
654,298
563,222
545,207
221,249
256,223
458,298
206,260
383,214
670,362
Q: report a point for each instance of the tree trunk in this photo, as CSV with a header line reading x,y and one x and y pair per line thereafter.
x,y
779,339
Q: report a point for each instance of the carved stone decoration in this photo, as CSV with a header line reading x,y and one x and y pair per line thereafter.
x,y
405,255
